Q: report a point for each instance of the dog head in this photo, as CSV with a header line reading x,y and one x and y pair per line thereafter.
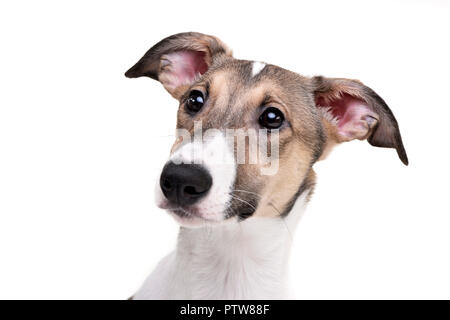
x,y
233,113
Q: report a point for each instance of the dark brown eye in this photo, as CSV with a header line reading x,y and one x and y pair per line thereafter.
x,y
271,118
195,101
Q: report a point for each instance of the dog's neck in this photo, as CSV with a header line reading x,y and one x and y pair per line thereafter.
x,y
236,260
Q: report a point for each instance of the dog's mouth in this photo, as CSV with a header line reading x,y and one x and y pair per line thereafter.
x,y
191,215
200,214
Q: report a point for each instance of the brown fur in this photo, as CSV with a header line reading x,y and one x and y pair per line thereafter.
x,y
234,99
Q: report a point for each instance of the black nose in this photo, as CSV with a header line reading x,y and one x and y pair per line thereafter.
x,y
184,184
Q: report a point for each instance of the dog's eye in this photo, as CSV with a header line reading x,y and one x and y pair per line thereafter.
x,y
271,118
195,101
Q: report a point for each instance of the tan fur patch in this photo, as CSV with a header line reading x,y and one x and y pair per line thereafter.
x,y
279,189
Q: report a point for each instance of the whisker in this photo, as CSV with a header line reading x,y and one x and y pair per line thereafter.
x,y
240,190
232,211
239,199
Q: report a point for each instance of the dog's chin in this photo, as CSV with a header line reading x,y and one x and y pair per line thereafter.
x,y
192,217
191,221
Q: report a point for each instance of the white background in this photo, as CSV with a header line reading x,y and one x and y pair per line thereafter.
x,y
81,146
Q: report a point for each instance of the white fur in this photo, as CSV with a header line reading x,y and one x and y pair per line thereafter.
x,y
215,155
231,260
257,67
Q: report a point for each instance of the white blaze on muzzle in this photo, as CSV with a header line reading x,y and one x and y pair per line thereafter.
x,y
212,152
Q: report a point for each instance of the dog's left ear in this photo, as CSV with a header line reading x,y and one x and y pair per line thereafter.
x,y
178,60
353,111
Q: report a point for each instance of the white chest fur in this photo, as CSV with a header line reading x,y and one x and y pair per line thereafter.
x,y
236,260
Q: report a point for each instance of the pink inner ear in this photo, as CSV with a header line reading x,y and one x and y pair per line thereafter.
x,y
183,67
353,116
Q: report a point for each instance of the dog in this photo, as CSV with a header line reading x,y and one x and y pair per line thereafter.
x,y
236,221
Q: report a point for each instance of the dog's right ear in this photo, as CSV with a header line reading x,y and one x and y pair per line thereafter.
x,y
178,60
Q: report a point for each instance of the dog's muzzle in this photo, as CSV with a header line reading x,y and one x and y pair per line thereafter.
x,y
184,184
